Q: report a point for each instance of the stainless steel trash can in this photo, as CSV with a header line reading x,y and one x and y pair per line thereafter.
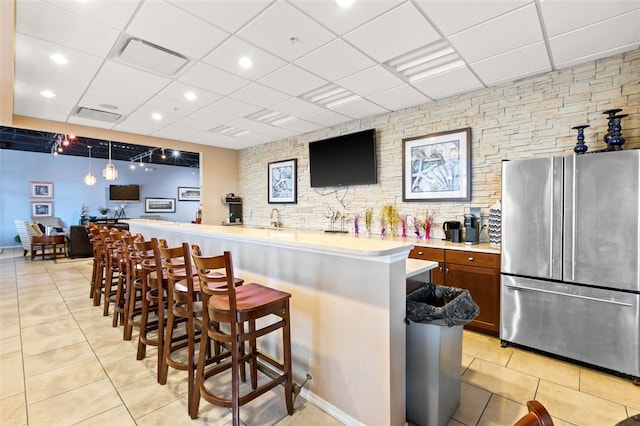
x,y
434,358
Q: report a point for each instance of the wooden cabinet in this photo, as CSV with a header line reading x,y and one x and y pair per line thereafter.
x,y
475,271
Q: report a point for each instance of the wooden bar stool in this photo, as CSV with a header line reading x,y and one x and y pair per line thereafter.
x,y
154,286
133,295
112,241
97,273
537,415
184,306
125,279
240,308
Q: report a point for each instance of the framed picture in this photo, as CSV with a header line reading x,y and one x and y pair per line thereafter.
x,y
42,208
187,193
282,181
437,167
41,189
159,205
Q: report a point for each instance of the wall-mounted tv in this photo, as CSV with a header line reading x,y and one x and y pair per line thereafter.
x,y
119,193
344,160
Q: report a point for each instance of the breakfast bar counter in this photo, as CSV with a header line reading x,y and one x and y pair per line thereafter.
x,y
347,308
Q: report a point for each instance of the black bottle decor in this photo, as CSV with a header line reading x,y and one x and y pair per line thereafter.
x,y
610,122
580,147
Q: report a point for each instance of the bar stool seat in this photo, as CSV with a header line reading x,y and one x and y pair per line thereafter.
x,y
239,309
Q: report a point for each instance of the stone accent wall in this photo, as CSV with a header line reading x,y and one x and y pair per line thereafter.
x,y
531,117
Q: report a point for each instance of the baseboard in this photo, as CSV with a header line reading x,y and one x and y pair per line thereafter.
x,y
328,408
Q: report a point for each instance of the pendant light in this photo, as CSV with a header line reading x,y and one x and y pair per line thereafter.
x,y
90,178
110,173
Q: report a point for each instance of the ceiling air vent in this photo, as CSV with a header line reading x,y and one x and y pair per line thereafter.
x,y
96,114
151,57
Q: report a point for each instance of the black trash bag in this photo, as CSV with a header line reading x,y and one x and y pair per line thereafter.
x,y
441,305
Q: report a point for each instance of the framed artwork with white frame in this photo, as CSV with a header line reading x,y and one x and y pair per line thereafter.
x,y
41,189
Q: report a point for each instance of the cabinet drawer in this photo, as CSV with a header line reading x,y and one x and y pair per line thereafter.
x,y
472,258
427,253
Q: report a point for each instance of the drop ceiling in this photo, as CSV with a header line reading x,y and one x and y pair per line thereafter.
x,y
315,64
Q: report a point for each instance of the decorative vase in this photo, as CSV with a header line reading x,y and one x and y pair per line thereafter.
x,y
610,121
615,136
495,224
580,147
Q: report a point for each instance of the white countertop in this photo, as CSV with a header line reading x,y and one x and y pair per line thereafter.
x,y
442,244
315,240
418,266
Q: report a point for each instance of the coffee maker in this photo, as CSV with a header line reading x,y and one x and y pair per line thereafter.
x,y
471,229
451,230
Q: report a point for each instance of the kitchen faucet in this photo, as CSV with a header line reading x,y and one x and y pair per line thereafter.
x,y
277,223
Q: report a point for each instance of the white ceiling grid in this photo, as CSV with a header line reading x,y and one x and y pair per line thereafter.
x,y
315,64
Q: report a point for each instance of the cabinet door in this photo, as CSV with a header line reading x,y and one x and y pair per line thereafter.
x,y
437,274
484,286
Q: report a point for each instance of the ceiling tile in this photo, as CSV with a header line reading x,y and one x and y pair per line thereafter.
x,y
373,80
341,20
335,60
296,107
34,65
292,80
74,119
588,43
257,94
326,118
213,79
172,28
300,126
227,55
261,128
399,98
273,29
193,123
519,63
134,87
175,131
454,16
448,83
102,11
212,117
511,31
560,15
410,31
234,107
229,15
167,108
60,26
176,91
360,108
28,102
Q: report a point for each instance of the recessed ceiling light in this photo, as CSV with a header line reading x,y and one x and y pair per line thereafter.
x,y
48,94
245,62
156,116
345,3
191,96
59,59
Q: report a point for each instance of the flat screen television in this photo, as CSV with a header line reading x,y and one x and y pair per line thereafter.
x,y
124,193
344,160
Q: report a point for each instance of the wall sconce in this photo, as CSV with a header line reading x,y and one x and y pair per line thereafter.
x,y
90,178
109,172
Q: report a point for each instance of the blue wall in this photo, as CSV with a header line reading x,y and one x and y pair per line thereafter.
x,y
19,168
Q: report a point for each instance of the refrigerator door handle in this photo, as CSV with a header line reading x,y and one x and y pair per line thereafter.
x,y
575,296
551,215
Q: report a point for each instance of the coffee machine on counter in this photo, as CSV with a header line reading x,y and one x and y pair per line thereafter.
x,y
471,229
235,209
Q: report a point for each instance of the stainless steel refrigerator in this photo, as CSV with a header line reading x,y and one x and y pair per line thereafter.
x,y
570,275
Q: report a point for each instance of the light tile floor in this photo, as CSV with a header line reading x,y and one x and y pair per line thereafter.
x,y
61,363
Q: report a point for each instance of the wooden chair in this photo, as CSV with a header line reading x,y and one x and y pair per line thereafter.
x,y
112,270
133,294
97,274
240,308
53,246
125,279
184,306
537,415
154,286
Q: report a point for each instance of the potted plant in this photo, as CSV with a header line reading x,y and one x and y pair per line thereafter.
x,y
104,211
